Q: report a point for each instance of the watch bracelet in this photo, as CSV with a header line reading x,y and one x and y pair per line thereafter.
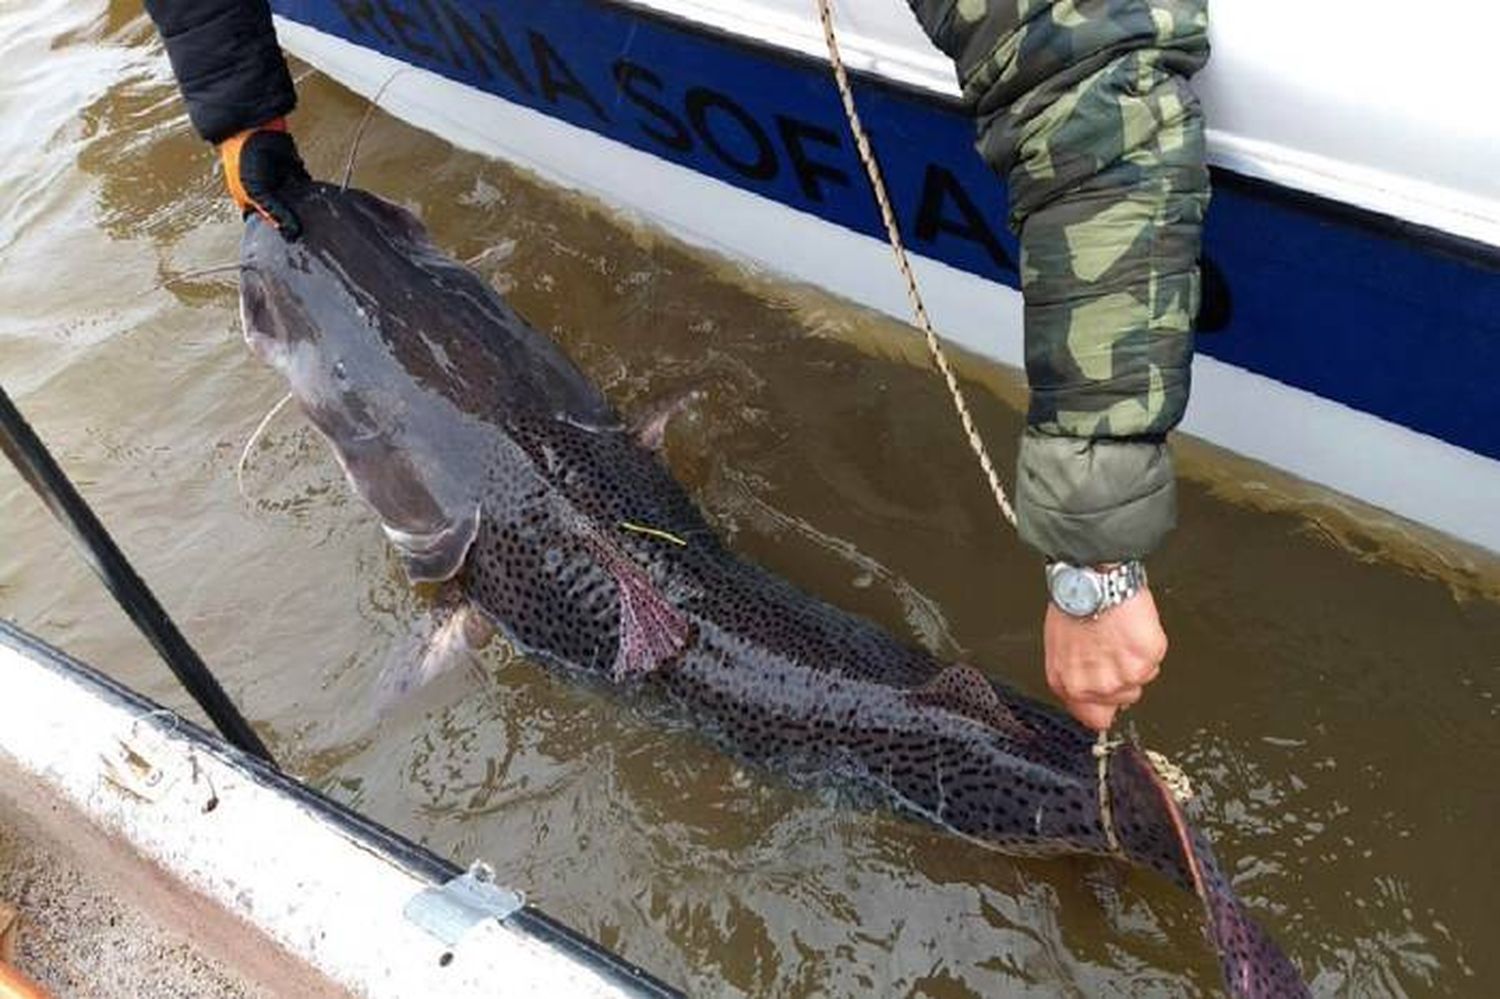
x,y
1122,582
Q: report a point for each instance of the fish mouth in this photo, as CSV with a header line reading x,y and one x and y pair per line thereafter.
x,y
267,349
255,322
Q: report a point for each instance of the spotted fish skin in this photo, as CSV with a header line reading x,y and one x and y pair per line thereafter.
x,y
493,462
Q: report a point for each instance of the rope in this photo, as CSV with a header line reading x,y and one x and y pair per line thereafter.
x,y
364,123
1172,776
265,421
893,233
1104,746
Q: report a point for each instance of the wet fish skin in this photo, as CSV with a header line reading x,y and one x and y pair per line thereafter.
x,y
492,461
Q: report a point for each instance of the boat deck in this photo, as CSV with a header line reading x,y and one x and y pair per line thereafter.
x,y
79,935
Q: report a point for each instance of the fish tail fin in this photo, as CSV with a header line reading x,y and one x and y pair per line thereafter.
x,y
1154,832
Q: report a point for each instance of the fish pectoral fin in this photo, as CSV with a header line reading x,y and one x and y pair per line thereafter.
x,y
652,632
650,427
435,556
965,691
462,632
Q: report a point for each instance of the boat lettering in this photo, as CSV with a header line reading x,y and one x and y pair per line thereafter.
x,y
795,133
556,79
745,139
633,79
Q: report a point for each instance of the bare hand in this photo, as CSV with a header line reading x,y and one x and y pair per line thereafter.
x,y
1098,666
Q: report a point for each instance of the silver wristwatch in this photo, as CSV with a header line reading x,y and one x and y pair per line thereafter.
x,y
1080,591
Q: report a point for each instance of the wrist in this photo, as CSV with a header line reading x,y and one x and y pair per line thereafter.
x,y
276,124
229,156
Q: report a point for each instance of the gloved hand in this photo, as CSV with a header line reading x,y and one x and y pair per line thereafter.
x,y
259,164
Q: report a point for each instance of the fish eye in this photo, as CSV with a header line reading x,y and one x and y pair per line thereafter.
x,y
340,372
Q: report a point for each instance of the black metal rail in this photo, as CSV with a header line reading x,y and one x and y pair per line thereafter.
x,y
36,465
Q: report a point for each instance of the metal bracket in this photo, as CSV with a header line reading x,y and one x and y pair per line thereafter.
x,y
141,762
450,910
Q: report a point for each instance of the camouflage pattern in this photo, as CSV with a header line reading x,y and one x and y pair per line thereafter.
x,y
1084,109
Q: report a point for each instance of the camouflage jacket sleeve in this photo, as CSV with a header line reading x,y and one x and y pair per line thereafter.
x,y
1084,109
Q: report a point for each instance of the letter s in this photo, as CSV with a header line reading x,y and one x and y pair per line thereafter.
x,y
632,78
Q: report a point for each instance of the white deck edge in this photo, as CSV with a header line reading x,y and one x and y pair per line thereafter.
x,y
927,69
917,63
1381,463
286,871
1453,212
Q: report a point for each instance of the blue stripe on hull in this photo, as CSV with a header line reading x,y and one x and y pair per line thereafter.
x,y
1346,305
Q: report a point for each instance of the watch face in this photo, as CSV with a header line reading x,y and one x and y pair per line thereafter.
x,y
1077,591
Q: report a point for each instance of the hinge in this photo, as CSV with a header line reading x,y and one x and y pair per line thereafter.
x,y
450,910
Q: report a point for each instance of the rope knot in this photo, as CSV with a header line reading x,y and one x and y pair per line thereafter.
x,y
1173,776
1105,745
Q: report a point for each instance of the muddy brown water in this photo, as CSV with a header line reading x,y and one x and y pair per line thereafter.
x,y
1331,685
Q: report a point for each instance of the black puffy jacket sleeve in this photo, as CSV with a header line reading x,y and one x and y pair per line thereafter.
x,y
227,62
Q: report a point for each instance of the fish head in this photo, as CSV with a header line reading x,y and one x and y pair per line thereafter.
x,y
307,310
339,314
365,283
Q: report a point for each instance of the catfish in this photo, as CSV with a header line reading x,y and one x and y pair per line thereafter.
x,y
499,470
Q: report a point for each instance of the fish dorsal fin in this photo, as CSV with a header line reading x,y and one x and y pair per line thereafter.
x,y
965,691
652,632
650,428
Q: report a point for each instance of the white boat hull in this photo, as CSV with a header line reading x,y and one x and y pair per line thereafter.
x,y
1437,477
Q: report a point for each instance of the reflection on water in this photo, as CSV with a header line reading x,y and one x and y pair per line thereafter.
x,y
1334,697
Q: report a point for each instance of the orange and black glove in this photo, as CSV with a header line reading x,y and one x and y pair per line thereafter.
x,y
260,164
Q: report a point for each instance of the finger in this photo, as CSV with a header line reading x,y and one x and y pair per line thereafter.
x,y
1057,682
1141,672
267,163
281,216
296,170
1151,649
1079,679
1124,697
1098,717
1106,686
